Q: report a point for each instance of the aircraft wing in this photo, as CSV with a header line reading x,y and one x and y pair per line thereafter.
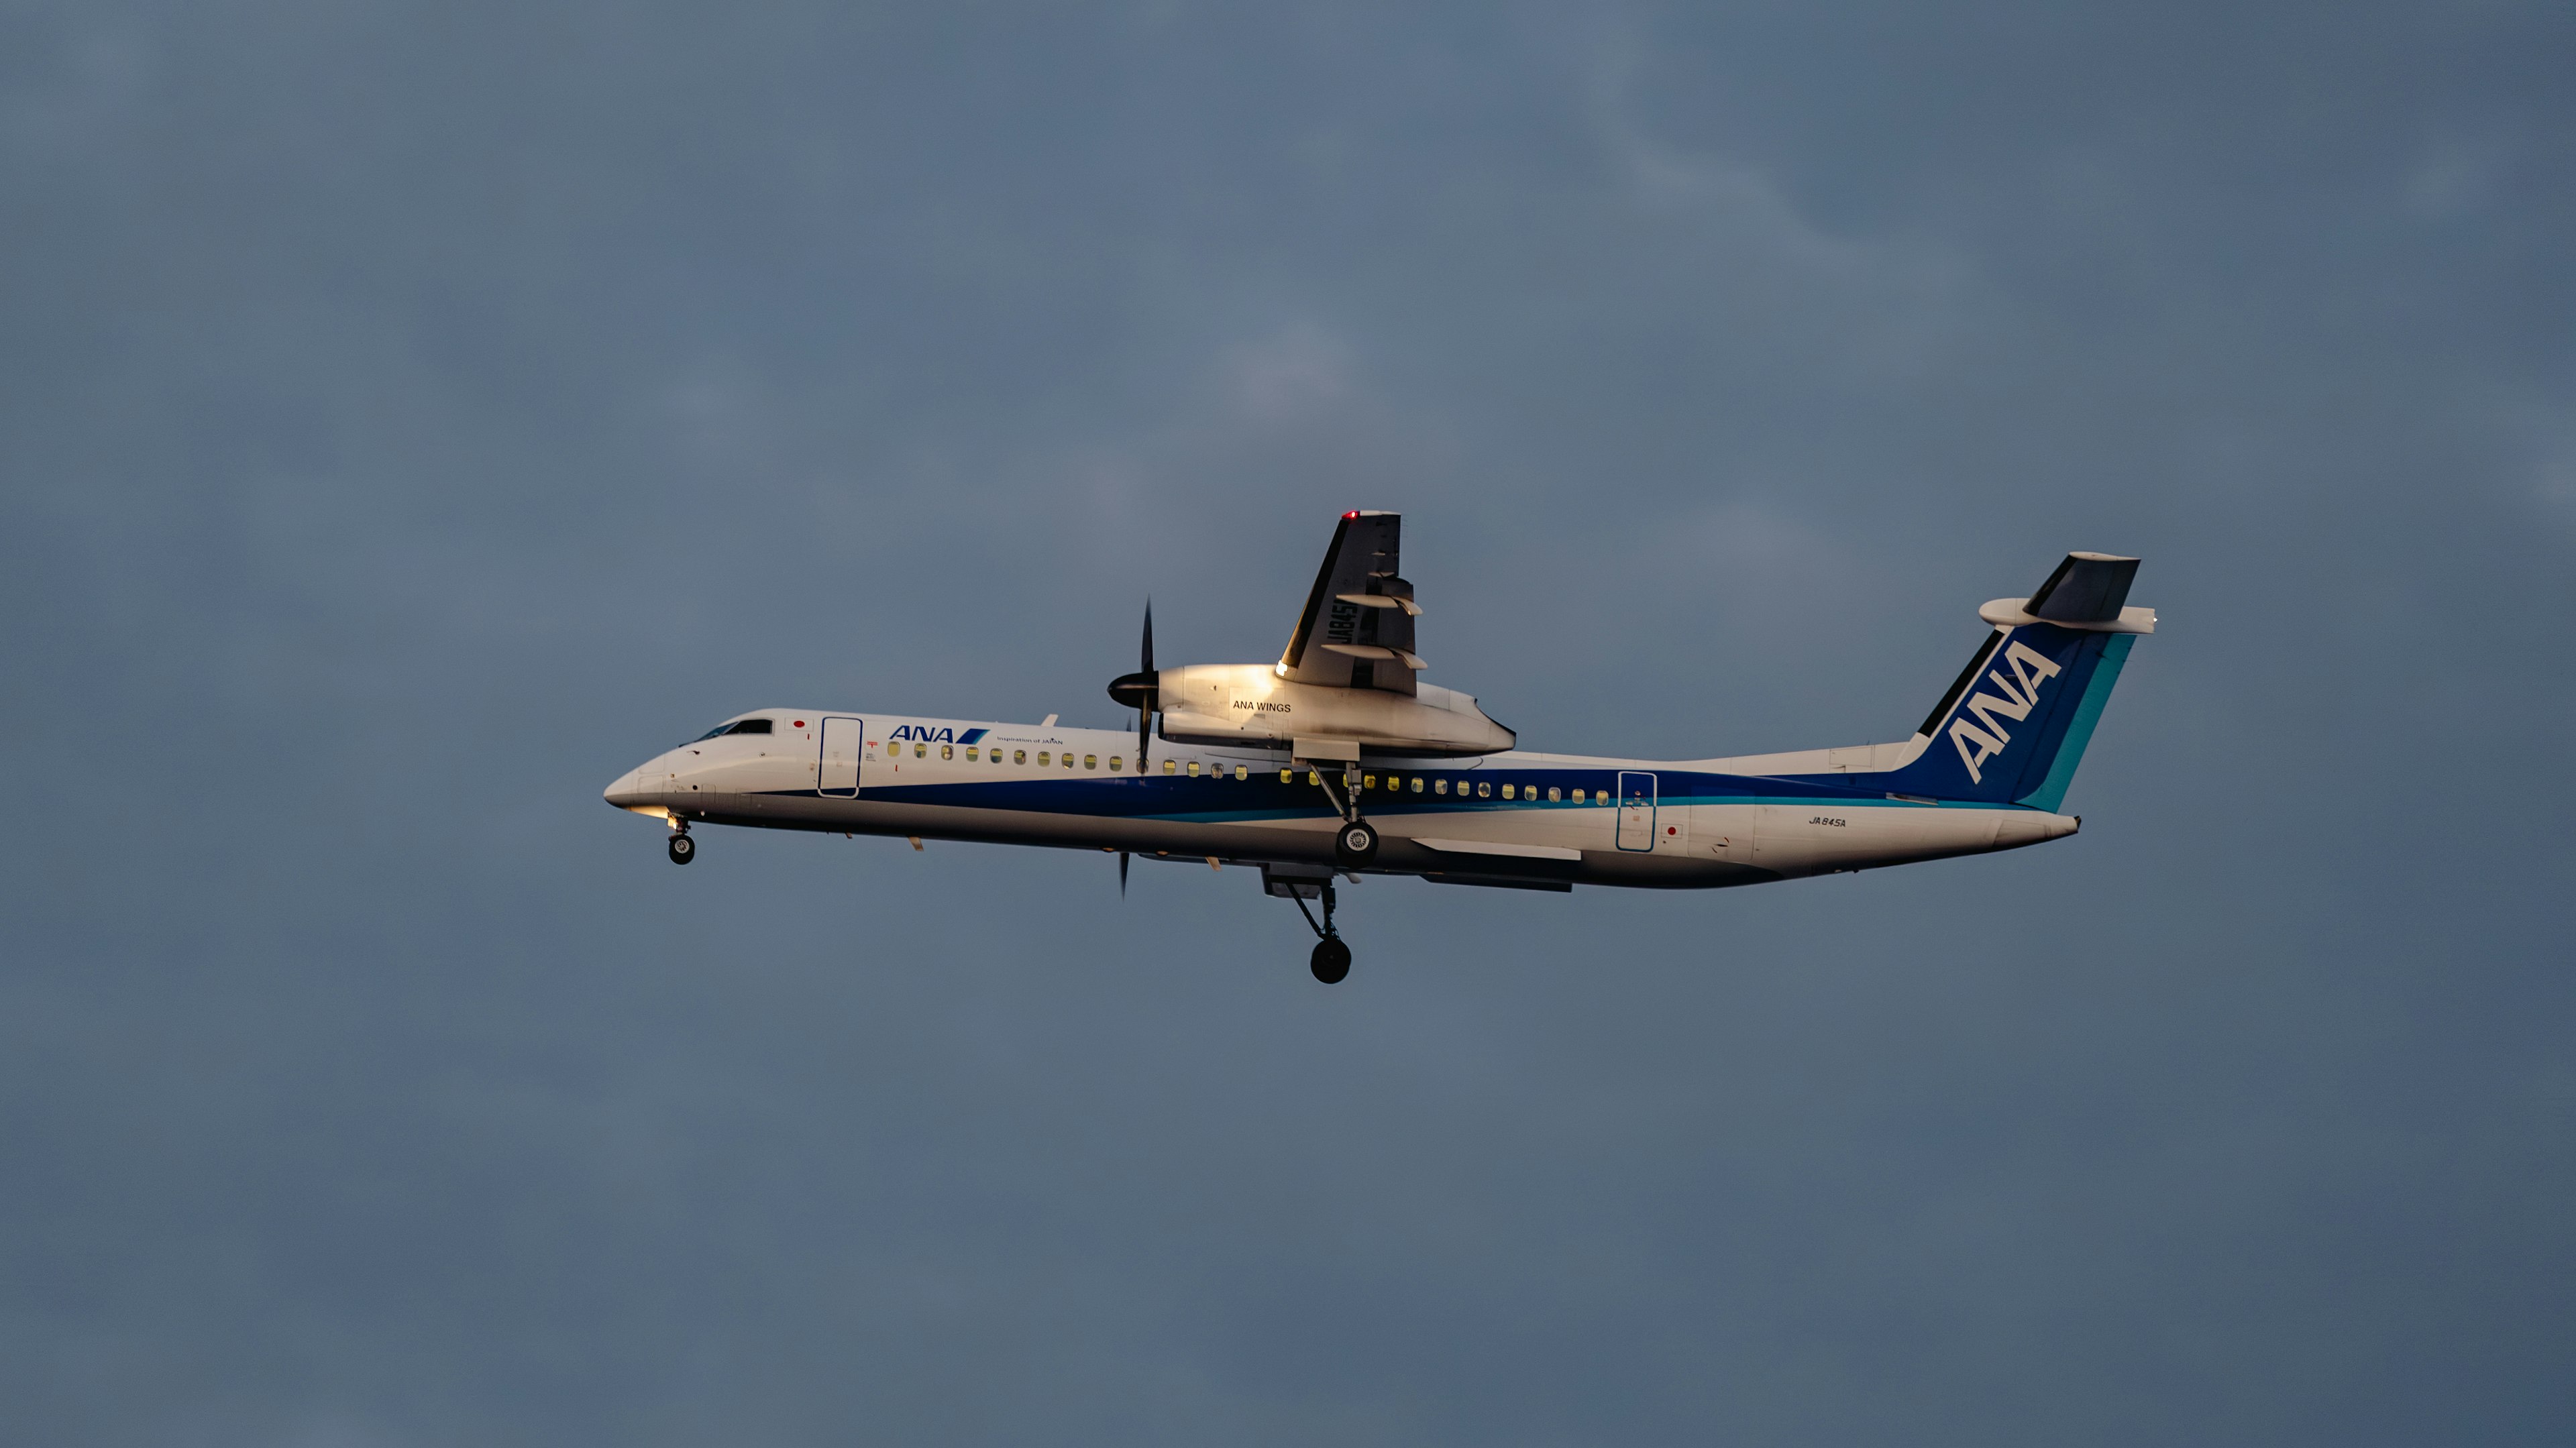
x,y
1357,630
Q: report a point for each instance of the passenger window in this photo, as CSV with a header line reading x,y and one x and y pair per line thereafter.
x,y
921,751
1485,790
1287,775
1194,769
1242,773
1018,756
1439,786
1552,792
970,754
1115,763
1368,781
1417,784
1312,777
1507,791
1042,759
1091,761
948,751
1171,766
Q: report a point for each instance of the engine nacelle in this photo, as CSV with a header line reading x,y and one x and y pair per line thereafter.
x,y
1251,704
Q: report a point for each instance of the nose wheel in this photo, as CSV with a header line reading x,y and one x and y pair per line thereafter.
x,y
1331,961
683,849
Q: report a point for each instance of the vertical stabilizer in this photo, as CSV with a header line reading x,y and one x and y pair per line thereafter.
x,y
2013,727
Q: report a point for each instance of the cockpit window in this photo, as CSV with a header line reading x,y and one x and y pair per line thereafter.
x,y
746,726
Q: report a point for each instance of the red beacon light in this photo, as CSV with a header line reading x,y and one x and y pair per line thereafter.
x,y
1353,513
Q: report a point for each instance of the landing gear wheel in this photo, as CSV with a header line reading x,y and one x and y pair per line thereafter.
x,y
683,849
1332,960
1355,843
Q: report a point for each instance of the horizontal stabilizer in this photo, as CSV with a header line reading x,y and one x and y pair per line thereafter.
x,y
2086,588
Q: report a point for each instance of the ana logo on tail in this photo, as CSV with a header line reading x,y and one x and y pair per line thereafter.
x,y
2020,692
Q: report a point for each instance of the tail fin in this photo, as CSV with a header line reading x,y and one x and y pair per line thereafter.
x,y
2014,726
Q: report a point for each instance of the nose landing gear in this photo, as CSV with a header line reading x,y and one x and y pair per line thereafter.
x,y
683,849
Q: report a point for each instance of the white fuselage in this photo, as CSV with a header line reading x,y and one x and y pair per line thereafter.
x,y
1509,818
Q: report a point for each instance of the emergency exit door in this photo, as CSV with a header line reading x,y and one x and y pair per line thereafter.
x,y
1636,811
836,773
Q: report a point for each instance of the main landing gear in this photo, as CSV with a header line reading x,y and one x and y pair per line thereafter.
x,y
1332,958
683,849
1355,843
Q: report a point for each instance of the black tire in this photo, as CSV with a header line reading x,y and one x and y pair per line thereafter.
x,y
1355,843
683,849
1331,961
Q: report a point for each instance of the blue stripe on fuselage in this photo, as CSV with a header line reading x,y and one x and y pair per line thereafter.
x,y
1222,798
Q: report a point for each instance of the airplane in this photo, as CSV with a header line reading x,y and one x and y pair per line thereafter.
x,y
1338,761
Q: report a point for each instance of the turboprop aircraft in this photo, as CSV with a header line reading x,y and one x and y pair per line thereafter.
x,y
1338,762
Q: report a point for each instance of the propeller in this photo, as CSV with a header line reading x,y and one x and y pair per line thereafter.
x,y
1141,691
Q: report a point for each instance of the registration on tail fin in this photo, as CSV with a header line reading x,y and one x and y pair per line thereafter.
x,y
2014,726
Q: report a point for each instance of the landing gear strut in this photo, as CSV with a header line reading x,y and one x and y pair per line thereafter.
x,y
683,849
1332,958
1355,843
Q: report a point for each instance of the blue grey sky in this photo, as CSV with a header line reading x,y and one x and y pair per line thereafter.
x,y
411,416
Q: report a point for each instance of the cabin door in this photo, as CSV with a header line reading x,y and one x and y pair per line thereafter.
x,y
836,773
1636,811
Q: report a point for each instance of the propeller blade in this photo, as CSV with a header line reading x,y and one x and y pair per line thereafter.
x,y
1142,691
1145,711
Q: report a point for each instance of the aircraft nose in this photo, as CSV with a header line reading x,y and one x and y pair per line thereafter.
x,y
627,791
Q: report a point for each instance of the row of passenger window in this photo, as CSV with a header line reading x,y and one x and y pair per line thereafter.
x,y
1484,788
1415,784
975,753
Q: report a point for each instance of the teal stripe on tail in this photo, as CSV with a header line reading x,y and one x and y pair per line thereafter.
x,y
2051,790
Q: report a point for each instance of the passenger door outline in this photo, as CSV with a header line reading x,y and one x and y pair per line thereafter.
x,y
1636,810
836,763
